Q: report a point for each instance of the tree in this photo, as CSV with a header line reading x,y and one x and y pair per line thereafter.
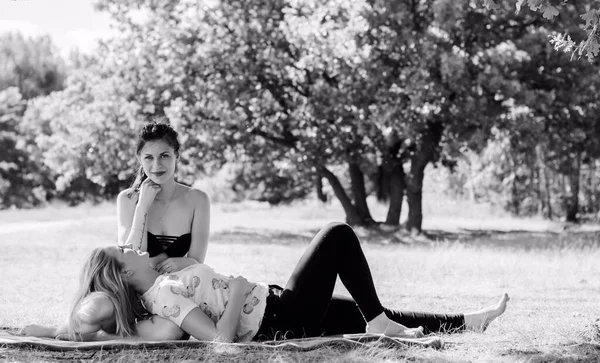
x,y
547,139
30,67
30,64
552,120
248,93
84,134
15,181
314,85
588,11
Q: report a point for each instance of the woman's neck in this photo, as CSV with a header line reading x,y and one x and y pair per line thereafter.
x,y
143,280
167,191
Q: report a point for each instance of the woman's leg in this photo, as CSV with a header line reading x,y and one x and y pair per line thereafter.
x,y
335,251
479,320
344,317
302,306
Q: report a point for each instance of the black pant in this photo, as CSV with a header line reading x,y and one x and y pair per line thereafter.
x,y
307,307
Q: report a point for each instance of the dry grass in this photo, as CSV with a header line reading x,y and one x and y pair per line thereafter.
x,y
553,280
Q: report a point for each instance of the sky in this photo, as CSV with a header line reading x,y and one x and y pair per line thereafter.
x,y
70,23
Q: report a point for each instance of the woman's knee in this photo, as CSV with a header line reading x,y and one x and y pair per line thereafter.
x,y
340,229
339,226
158,329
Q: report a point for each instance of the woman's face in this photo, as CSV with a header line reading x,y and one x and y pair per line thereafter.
x,y
158,161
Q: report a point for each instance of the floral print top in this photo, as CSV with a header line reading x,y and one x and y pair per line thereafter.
x,y
174,295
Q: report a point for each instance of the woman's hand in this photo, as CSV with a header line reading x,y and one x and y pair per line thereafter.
x,y
240,284
414,332
78,337
34,330
148,192
93,337
173,264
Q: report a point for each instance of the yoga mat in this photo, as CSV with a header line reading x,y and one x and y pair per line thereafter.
x,y
10,339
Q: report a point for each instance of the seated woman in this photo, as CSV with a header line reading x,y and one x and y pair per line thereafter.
x,y
211,306
159,215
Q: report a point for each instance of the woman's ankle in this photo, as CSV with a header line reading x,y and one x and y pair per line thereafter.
x,y
379,324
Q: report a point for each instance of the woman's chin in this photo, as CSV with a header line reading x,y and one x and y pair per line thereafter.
x,y
159,179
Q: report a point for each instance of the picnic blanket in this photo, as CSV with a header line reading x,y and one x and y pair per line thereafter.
x,y
10,339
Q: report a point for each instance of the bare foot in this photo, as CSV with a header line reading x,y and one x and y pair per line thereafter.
x,y
479,320
383,325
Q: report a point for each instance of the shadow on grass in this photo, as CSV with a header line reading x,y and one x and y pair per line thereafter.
x,y
582,352
519,239
263,236
228,354
516,239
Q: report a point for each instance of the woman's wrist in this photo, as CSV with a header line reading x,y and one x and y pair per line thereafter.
x,y
142,207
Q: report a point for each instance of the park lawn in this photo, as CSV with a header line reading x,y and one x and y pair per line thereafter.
x,y
553,281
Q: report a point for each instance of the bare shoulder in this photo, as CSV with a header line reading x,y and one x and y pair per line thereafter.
x,y
127,196
95,307
197,197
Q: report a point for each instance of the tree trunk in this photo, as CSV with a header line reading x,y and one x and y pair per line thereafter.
x,y
392,179
414,194
396,192
319,185
514,204
383,182
543,183
352,216
572,201
592,188
357,179
414,187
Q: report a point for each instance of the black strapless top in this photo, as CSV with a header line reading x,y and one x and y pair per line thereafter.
x,y
171,245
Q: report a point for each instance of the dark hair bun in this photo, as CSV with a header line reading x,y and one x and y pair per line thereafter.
x,y
159,131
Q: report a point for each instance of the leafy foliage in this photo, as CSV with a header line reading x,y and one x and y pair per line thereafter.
x,y
285,94
30,64
544,147
84,134
589,12
307,84
16,175
30,68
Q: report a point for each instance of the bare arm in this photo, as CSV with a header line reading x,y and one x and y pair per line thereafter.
x,y
92,312
200,226
131,219
198,325
228,324
40,331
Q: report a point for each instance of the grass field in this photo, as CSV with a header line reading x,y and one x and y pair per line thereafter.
x,y
552,276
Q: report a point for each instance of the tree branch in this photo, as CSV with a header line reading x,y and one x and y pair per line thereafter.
x,y
287,142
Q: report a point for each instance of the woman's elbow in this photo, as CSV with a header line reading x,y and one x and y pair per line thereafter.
x,y
158,329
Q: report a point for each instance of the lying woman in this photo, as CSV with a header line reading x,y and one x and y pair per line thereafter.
x,y
211,306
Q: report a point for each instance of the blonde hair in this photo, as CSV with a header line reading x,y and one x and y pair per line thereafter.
x,y
102,273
